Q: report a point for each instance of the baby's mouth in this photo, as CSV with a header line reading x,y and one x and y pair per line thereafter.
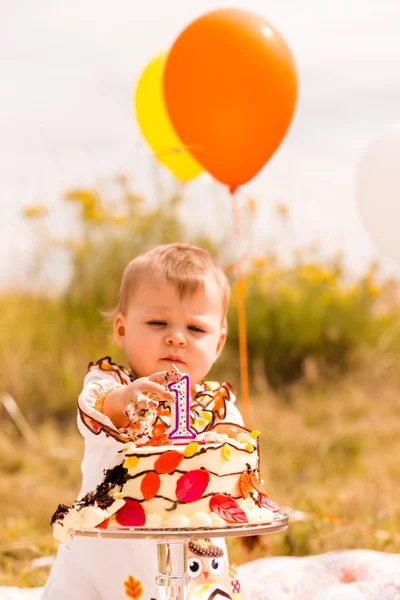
x,y
173,359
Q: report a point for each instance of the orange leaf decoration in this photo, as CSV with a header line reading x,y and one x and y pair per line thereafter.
x,y
168,462
104,524
256,483
133,588
245,484
150,485
158,440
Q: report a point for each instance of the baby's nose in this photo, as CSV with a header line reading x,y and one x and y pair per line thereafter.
x,y
175,338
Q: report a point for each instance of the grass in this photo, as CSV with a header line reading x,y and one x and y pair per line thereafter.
x,y
330,450
32,482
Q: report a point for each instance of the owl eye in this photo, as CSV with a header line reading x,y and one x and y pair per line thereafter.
x,y
195,567
216,565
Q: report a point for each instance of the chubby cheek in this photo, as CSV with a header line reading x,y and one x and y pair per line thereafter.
x,y
137,352
206,352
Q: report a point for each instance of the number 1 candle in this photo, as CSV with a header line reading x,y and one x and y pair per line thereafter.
x,y
180,411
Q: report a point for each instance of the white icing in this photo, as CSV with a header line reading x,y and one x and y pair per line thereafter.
x,y
265,515
78,519
176,520
153,520
252,516
62,534
200,519
217,521
244,438
211,436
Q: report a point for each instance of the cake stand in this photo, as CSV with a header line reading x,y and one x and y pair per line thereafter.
x,y
172,546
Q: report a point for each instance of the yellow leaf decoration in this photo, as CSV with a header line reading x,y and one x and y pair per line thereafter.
x,y
191,449
133,588
226,452
131,462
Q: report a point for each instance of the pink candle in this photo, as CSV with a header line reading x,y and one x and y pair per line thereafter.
x,y
180,411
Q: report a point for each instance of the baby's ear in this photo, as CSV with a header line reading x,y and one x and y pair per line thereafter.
x,y
119,329
221,341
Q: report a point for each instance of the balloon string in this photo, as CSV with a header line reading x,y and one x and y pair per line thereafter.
x,y
243,357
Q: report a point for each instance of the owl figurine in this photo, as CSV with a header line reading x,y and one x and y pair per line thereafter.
x,y
210,576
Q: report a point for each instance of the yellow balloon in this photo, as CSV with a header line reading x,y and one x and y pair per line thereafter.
x,y
155,124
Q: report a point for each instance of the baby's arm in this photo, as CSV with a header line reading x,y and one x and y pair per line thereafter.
x,y
109,394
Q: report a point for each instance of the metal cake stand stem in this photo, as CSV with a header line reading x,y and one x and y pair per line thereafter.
x,y
172,546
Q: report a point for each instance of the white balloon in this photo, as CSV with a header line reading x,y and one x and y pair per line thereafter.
x,y
378,190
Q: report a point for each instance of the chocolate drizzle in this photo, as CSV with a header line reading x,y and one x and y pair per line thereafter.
x,y
60,513
176,503
173,507
183,473
202,450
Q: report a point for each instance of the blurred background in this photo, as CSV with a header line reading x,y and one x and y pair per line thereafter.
x,y
82,193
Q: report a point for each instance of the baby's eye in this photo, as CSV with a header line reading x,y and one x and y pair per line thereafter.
x,y
156,323
196,329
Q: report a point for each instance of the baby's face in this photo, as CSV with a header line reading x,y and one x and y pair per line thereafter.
x,y
161,329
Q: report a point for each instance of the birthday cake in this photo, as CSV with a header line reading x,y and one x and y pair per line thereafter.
x,y
213,481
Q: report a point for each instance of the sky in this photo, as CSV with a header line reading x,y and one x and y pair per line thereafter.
x,y
69,69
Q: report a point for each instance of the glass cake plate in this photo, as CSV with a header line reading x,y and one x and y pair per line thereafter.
x,y
172,546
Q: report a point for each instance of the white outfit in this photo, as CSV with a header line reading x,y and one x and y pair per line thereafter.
x,y
96,569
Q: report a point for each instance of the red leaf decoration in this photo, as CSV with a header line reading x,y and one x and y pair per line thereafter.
x,y
168,462
131,514
227,508
150,485
265,502
256,483
103,524
192,485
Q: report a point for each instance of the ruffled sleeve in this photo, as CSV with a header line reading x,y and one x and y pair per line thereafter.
x,y
102,377
232,414
212,403
215,402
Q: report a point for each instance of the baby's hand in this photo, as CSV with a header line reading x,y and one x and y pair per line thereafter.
x,y
134,405
143,396
147,392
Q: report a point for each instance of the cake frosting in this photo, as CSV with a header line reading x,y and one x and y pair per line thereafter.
x,y
213,481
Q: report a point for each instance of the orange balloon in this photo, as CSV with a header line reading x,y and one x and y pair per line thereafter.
x,y
230,87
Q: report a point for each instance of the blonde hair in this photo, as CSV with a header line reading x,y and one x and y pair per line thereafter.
x,y
182,265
